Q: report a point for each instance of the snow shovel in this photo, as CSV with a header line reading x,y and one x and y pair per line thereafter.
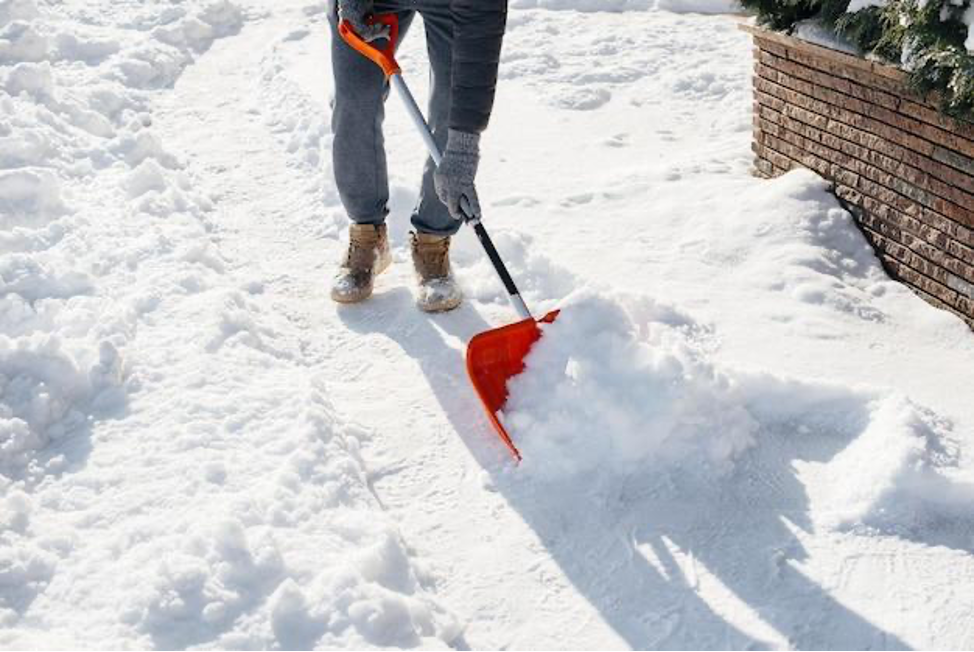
x,y
497,355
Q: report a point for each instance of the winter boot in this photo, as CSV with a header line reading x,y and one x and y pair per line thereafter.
x,y
368,256
438,290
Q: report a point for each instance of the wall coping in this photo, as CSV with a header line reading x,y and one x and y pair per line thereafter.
x,y
843,58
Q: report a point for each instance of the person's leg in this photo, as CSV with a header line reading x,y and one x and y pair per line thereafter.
x,y
358,151
431,216
438,290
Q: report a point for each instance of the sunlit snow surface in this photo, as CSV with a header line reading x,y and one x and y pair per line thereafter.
x,y
740,432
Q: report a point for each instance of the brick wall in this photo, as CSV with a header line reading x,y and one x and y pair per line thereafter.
x,y
904,170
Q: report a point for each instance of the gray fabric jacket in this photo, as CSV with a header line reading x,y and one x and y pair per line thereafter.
x,y
477,37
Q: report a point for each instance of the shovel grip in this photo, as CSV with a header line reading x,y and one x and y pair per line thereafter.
x,y
385,57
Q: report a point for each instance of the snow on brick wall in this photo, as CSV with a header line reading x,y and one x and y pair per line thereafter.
x,y
905,170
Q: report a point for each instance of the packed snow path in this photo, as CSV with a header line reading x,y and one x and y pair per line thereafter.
x,y
227,459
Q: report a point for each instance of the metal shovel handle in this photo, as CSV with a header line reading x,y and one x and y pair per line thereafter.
x,y
385,58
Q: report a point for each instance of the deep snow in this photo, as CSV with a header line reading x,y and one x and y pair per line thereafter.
x,y
741,433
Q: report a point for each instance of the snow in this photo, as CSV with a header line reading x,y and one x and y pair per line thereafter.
x,y
625,386
740,433
967,16
816,31
597,396
677,6
859,5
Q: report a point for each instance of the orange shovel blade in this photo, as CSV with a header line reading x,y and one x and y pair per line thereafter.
x,y
496,356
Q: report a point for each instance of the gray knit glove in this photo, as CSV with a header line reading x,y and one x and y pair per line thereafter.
x,y
454,178
359,13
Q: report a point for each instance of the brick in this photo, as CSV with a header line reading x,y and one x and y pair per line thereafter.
x,y
935,117
902,227
906,265
963,286
850,118
836,63
861,99
953,159
895,270
909,183
763,168
923,188
961,252
951,149
913,197
907,270
769,45
781,162
842,85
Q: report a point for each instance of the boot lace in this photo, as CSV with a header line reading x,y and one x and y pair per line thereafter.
x,y
362,250
432,257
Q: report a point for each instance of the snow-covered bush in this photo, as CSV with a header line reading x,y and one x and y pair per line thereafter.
x,y
931,39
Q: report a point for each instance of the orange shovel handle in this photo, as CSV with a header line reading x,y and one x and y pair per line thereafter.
x,y
385,58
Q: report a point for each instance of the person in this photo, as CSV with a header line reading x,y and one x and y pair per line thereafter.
x,y
463,39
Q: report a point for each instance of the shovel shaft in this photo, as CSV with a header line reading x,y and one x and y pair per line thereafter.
x,y
417,116
424,130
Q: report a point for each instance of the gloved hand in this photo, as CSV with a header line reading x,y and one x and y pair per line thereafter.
x,y
358,13
454,178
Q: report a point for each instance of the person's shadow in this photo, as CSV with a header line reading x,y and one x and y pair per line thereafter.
x,y
615,537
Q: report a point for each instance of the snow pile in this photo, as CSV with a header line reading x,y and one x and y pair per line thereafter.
x,y
816,31
618,386
25,566
133,355
307,558
75,147
859,5
699,6
28,194
537,276
177,34
288,549
621,383
969,21
46,392
896,475
676,6
790,236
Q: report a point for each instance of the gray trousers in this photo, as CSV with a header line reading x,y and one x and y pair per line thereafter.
x,y
358,110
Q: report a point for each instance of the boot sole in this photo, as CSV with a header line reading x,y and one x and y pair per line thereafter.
x,y
443,307
437,310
